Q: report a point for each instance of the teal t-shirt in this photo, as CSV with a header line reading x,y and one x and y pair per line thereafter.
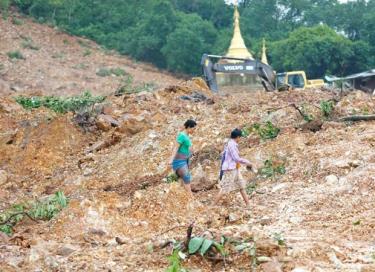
x,y
185,143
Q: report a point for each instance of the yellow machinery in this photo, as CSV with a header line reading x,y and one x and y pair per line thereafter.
x,y
297,80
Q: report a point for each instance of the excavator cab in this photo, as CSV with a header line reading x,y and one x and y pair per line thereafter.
x,y
222,72
296,80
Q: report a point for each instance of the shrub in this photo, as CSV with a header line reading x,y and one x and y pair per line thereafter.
x,y
87,52
326,107
104,72
15,55
265,131
270,169
29,44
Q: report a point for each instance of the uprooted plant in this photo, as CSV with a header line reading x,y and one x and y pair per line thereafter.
x,y
73,104
127,86
272,168
37,210
265,131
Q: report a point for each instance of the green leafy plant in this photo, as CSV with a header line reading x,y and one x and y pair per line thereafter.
x,y
175,262
171,178
270,169
278,237
118,72
15,55
202,245
59,104
47,209
326,107
265,131
37,210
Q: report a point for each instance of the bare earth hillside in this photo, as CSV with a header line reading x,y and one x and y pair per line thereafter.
x,y
123,215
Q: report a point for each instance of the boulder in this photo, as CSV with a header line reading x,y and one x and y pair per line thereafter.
x,y
200,182
106,122
131,124
3,177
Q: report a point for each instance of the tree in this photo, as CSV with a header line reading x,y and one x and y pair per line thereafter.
x,y
318,50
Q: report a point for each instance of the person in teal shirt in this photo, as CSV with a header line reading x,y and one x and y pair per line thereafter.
x,y
181,154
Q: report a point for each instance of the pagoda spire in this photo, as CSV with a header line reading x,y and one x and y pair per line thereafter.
x,y
264,55
237,48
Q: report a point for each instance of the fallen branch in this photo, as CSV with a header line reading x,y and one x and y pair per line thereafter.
x,y
16,214
355,118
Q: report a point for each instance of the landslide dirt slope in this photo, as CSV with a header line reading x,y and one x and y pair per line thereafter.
x,y
61,64
121,210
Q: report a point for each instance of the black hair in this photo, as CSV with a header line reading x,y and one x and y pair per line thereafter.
x,y
236,133
190,123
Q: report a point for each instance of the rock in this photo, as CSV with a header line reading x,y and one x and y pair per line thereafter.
x,y
3,177
3,238
200,182
98,232
16,88
332,179
106,122
65,251
265,221
8,137
123,240
300,269
137,195
232,218
273,266
279,187
263,259
131,124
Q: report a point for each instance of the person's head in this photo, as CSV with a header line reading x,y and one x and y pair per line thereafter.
x,y
236,134
190,125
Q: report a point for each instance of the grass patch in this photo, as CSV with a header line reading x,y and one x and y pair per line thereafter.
x,y
28,43
87,52
58,55
60,104
104,72
16,55
38,210
271,169
17,21
128,87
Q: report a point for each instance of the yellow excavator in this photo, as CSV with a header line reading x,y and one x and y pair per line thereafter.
x,y
297,80
251,72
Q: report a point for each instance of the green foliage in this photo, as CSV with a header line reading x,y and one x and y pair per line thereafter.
x,y
326,107
278,237
175,262
265,131
174,34
4,7
17,21
171,178
39,210
59,104
47,209
87,52
270,169
203,245
15,55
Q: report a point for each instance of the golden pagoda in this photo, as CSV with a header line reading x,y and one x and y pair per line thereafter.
x,y
264,55
237,47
